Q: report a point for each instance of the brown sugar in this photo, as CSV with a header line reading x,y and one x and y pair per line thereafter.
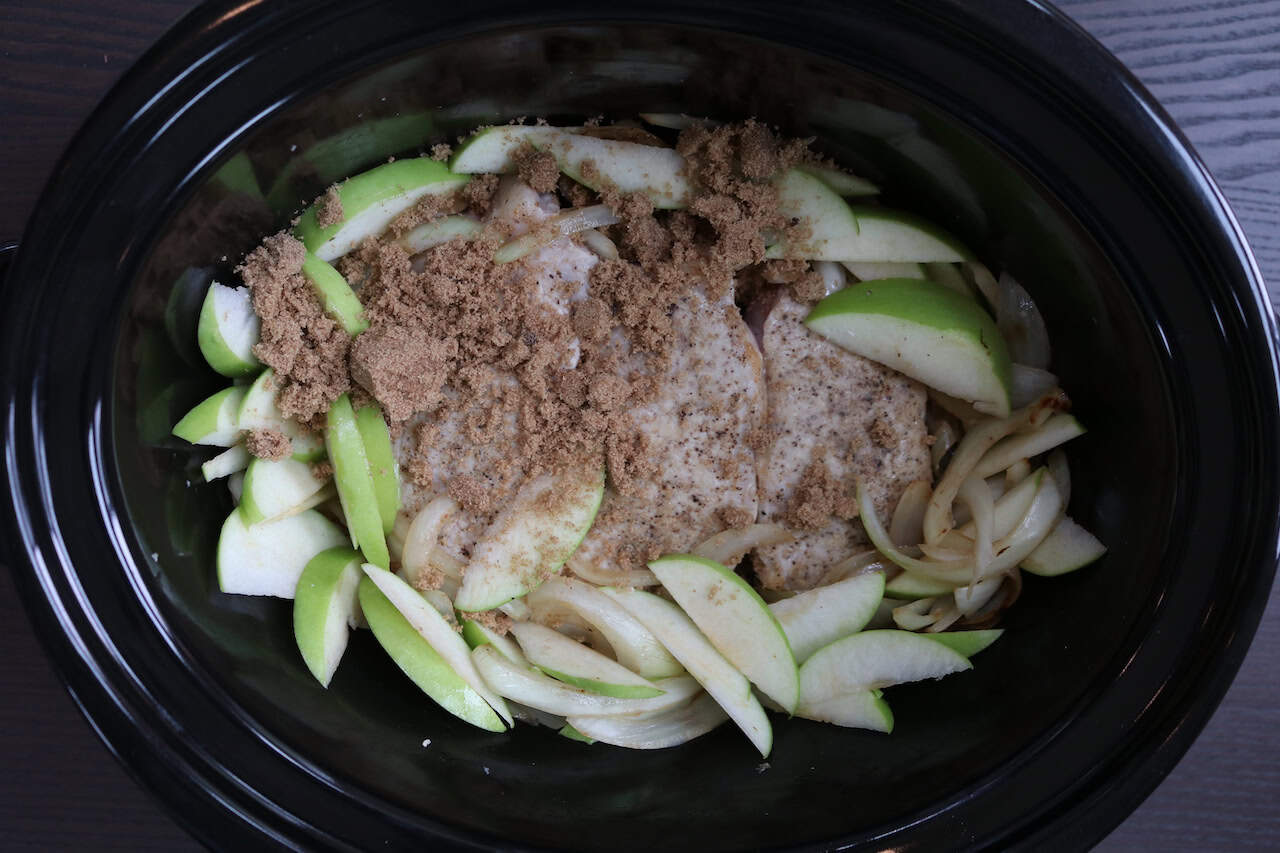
x,y
329,208
270,444
402,366
537,168
817,497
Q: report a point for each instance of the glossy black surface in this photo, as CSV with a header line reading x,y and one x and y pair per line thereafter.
x,y
1005,124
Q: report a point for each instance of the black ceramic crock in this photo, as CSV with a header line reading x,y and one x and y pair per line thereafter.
x,y
1001,120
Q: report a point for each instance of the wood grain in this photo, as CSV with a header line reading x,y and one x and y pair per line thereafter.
x,y
1214,65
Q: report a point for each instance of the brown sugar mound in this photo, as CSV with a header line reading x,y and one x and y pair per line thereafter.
x,y
817,497
537,168
329,208
402,366
270,444
306,349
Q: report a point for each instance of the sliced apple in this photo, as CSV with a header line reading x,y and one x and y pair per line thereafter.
x,y
672,728
573,663
489,150
268,559
816,617
633,645
336,296
371,200
422,663
324,605
477,635
967,643
531,538
736,620
382,462
227,330
571,733
676,631
532,688
627,166
233,459
871,660
876,270
213,421
859,709
924,330
355,482
258,411
841,182
274,489
909,585
439,231
1067,547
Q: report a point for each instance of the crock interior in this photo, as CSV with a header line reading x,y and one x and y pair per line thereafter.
x,y
366,732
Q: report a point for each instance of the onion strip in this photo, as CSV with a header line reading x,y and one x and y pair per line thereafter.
x,y
589,571
728,547
907,525
975,495
420,540
571,221
1058,429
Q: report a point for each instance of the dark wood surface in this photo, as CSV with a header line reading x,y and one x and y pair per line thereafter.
x,y
1216,67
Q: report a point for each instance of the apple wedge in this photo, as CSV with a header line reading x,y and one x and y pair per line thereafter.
x,y
437,631
227,330
573,663
422,663
336,296
371,200
816,617
967,643
233,459
860,709
355,482
268,559
729,687
489,150
736,620
323,606
258,411
627,166
531,538
477,635
876,270
840,182
213,421
1067,547
633,645
276,489
672,728
382,462
532,688
871,660
922,329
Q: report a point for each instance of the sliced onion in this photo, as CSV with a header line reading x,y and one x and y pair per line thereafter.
x,y
420,539
571,221
517,610
395,539
438,231
907,525
589,571
728,547
943,440
855,564
944,554
977,497
914,615
985,282
961,410
597,242
1057,429
1020,323
945,614
1017,472
970,599
677,726
833,276
1030,384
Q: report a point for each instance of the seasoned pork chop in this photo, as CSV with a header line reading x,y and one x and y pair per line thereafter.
x,y
703,476
828,406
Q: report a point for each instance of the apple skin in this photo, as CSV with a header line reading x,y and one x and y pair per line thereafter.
x,y
322,608
268,559
355,482
223,308
924,330
382,462
336,296
213,420
967,643
573,663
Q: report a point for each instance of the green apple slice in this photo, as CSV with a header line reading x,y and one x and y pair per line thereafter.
x,y
532,688
861,709
437,631
371,200
268,559
258,411
213,421
477,635
967,643
336,296
233,459
228,329
1058,429
530,539
677,726
356,491
439,231
573,663
922,329
824,219
422,663
736,620
274,489
627,166
489,150
676,631
633,645
382,463
816,617
573,734
876,270
1067,547
909,585
840,182
874,659
323,606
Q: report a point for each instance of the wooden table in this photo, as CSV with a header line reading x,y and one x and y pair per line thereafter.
x,y
1215,64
